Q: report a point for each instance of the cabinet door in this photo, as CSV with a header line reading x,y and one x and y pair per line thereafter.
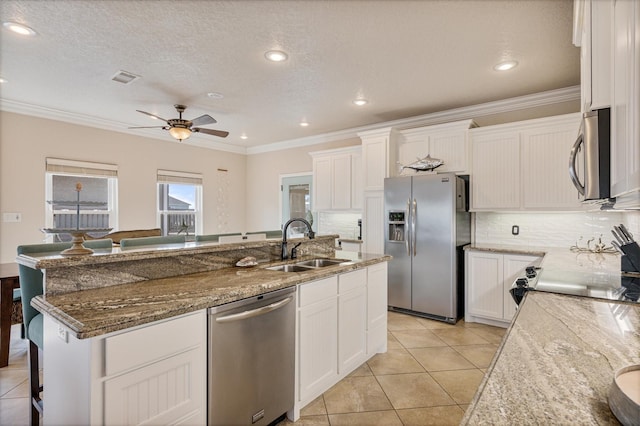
x,y
495,179
356,181
372,222
374,156
450,147
160,393
318,340
485,284
352,328
514,266
377,308
545,177
625,148
341,182
322,183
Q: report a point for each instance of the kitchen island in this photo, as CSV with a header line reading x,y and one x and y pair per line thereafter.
x,y
557,362
125,331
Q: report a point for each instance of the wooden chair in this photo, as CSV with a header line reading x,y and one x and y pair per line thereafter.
x,y
148,241
214,238
31,285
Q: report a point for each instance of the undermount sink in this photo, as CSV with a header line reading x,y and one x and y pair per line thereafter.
x,y
289,268
320,263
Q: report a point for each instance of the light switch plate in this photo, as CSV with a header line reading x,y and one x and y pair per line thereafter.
x,y
11,217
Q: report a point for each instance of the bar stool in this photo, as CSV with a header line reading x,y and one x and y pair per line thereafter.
x,y
31,286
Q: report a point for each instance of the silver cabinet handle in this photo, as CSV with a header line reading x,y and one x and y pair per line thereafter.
x,y
572,164
254,312
413,225
407,231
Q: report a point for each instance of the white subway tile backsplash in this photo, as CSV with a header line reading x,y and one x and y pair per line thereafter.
x,y
551,229
343,224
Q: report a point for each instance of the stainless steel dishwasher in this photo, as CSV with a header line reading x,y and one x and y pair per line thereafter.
x,y
251,359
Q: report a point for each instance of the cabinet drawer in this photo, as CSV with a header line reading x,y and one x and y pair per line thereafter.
x,y
147,344
318,290
352,280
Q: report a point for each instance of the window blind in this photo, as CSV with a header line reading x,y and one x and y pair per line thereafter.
x,y
58,165
169,176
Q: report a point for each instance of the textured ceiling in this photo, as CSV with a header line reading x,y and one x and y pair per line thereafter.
x,y
406,57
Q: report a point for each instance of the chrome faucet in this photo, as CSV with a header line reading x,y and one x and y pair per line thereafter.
x,y
284,253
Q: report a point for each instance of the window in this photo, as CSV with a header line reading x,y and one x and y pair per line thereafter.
x,y
97,207
179,202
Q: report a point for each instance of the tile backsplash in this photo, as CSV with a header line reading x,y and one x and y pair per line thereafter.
x,y
344,224
551,229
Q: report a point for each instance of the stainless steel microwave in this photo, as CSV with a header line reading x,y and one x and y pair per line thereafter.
x,y
591,156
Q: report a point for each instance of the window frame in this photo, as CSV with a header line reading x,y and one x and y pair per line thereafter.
x,y
169,177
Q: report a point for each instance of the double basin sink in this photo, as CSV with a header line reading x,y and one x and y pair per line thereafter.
x,y
307,265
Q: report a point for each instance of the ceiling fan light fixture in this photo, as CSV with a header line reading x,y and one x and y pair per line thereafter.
x,y
19,28
276,55
505,65
180,133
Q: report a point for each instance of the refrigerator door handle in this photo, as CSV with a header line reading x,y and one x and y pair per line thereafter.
x,y
413,225
407,235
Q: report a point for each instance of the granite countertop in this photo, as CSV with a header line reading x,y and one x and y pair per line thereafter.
x,y
94,312
557,362
506,248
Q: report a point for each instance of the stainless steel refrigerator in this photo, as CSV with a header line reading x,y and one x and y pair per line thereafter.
x,y
426,225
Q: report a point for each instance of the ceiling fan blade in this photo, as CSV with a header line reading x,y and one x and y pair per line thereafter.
x,y
213,132
153,115
147,127
203,120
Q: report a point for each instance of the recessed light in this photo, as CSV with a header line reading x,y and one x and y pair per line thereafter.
x,y
243,136
304,124
19,28
505,66
3,80
215,95
276,55
360,102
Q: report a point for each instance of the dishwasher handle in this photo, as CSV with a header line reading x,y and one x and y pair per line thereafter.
x,y
254,312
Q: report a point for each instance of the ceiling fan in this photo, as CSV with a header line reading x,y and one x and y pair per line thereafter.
x,y
181,128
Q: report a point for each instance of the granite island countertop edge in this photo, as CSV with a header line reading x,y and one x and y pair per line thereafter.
x,y
96,312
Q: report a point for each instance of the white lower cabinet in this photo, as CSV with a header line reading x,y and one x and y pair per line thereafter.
x,y
342,322
488,278
317,336
153,374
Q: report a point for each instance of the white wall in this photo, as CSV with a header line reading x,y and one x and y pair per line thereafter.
x,y
26,141
263,180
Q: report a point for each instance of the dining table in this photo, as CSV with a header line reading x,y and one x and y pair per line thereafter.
x,y
9,280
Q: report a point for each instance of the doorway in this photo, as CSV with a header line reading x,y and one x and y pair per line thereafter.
x,y
296,200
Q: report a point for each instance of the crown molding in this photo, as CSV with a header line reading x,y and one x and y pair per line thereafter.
x,y
550,97
115,126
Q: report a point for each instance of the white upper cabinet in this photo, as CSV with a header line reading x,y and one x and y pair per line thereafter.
x,y
447,142
337,179
378,157
592,33
625,111
524,165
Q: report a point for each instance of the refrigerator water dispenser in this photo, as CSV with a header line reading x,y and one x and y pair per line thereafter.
x,y
396,226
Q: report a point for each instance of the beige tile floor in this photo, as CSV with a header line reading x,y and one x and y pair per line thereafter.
x,y
428,377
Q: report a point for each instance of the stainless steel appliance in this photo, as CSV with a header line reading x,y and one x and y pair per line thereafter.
x,y
591,154
609,285
427,224
252,359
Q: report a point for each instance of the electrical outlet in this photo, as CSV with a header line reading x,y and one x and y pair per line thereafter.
x,y
515,230
11,217
62,334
